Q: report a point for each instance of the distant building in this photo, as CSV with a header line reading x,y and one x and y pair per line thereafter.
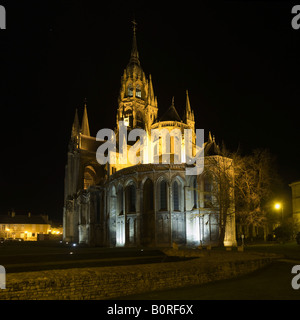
x,y
25,227
296,201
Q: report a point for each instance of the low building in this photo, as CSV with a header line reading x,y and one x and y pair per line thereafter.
x,y
296,202
24,227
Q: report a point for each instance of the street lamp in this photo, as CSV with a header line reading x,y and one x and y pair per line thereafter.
x,y
279,206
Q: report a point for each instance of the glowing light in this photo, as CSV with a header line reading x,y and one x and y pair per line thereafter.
x,y
126,122
277,206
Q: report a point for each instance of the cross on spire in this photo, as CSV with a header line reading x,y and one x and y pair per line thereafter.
x,y
134,23
134,52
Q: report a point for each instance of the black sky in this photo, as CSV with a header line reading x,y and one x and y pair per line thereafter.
x,y
240,62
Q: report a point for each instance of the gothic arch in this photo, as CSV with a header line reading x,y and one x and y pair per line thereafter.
x,y
207,182
112,190
89,177
177,192
138,90
130,196
130,89
193,187
163,217
161,177
119,199
148,196
148,214
112,215
163,194
143,180
130,180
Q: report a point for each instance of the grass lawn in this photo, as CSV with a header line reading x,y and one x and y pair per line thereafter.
x,y
35,256
290,250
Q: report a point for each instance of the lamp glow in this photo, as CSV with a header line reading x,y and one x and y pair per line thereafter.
x,y
277,206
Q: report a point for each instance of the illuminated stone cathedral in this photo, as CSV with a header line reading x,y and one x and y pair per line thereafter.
x,y
146,204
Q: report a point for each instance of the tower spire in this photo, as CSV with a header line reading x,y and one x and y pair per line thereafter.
x,y
151,91
188,105
85,128
189,113
75,126
134,57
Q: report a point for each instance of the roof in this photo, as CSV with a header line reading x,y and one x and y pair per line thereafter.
x,y
23,219
171,114
294,183
211,148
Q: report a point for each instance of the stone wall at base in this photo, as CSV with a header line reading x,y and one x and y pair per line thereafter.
x,y
112,282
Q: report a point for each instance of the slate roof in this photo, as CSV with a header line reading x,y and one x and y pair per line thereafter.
x,y
171,114
23,219
211,148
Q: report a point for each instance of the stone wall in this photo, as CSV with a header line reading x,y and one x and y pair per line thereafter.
x,y
112,282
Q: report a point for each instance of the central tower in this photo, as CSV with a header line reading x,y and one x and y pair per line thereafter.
x,y
137,105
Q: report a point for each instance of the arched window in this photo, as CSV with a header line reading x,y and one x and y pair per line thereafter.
x,y
138,92
175,196
195,193
120,201
130,90
89,177
148,196
208,185
128,118
163,196
147,224
139,118
130,198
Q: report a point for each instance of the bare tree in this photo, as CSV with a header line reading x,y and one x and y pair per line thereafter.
x,y
221,169
255,176
238,187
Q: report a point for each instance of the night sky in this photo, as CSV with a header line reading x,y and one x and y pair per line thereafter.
x,y
240,62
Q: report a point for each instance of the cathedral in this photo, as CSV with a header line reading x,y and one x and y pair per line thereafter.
x,y
151,203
